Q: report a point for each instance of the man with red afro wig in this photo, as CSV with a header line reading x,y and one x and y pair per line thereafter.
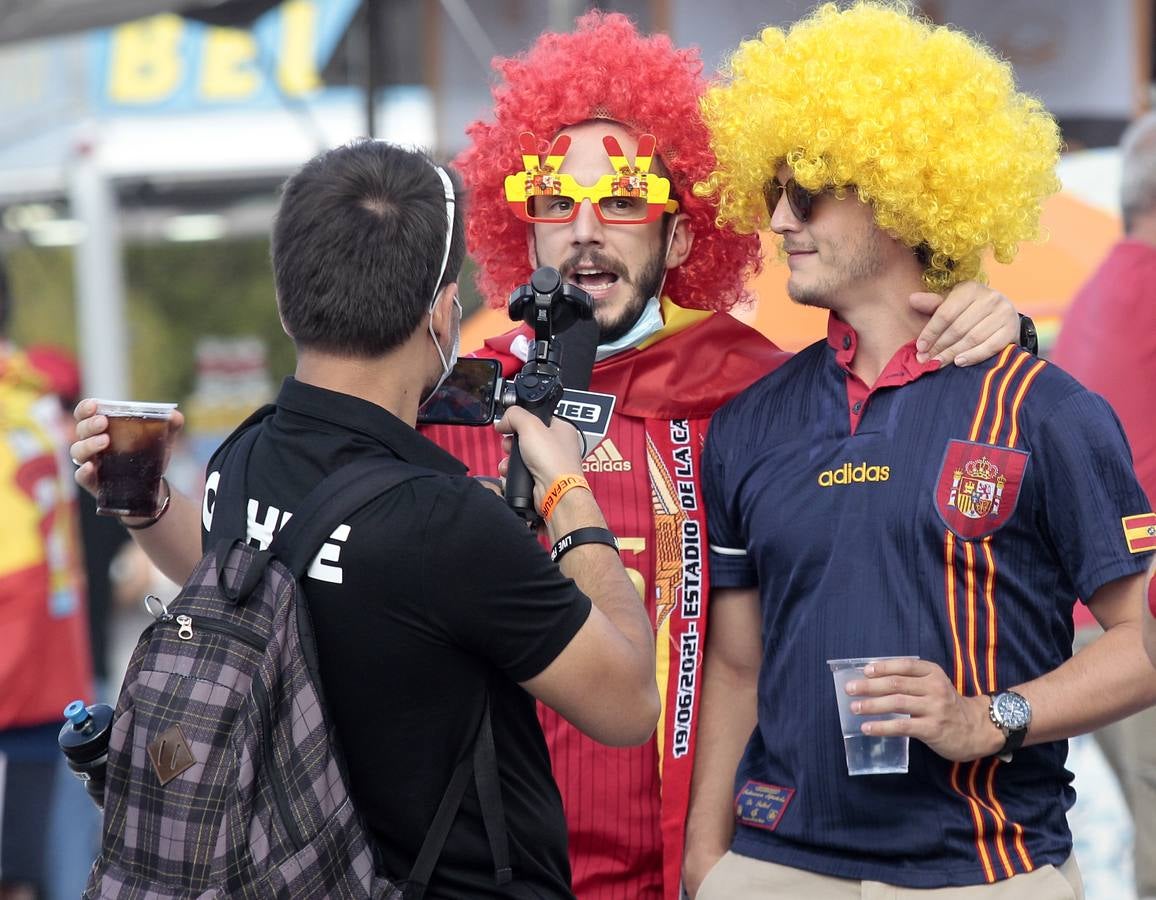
x,y
667,356
604,70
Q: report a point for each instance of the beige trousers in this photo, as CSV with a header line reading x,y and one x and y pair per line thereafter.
x,y
737,877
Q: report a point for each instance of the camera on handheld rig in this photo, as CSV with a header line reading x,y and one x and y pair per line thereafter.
x,y
549,306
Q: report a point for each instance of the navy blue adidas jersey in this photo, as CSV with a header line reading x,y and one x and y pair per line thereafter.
x,y
957,521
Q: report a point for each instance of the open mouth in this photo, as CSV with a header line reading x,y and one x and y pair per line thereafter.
x,y
593,280
595,272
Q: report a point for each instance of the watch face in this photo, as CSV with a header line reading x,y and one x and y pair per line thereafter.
x,y
1013,711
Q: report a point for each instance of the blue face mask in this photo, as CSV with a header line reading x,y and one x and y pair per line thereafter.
x,y
649,323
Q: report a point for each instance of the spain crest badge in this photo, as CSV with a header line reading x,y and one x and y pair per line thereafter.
x,y
978,487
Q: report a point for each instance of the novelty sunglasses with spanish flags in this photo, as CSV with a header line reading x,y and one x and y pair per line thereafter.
x,y
632,195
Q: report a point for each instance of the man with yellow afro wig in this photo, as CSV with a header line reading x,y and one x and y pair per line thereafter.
x,y
924,123
931,525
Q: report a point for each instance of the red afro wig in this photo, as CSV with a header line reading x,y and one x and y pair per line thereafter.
x,y
604,69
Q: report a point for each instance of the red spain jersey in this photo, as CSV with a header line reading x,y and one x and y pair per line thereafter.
x,y
626,807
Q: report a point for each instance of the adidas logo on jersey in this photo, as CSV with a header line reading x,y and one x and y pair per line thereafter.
x,y
606,458
852,474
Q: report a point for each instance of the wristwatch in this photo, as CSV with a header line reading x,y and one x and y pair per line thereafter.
x,y
1012,714
1029,340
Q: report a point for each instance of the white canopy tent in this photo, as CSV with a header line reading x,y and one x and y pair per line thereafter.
x,y
92,144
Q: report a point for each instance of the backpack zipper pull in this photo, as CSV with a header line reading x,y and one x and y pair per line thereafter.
x,y
185,631
157,608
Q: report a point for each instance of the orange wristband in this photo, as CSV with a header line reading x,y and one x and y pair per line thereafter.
x,y
558,489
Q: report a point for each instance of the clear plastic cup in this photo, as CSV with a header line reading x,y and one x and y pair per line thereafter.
x,y
866,754
128,473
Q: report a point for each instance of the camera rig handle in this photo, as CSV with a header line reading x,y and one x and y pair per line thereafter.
x,y
549,306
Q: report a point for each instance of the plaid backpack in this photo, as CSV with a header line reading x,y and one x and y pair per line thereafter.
x,y
224,776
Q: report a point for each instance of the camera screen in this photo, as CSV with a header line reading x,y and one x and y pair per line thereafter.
x,y
467,396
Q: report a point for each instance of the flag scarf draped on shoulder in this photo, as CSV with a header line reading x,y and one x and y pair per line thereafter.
x,y
690,368
621,817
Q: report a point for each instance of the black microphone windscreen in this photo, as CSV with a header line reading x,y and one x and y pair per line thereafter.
x,y
579,343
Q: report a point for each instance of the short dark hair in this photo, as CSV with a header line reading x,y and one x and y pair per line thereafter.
x,y
357,244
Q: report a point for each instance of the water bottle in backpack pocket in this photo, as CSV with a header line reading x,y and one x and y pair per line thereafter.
x,y
83,740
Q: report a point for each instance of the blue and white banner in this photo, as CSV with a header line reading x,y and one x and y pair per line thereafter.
x,y
167,64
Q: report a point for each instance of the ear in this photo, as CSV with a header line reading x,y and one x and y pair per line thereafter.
x,y
443,310
531,247
680,242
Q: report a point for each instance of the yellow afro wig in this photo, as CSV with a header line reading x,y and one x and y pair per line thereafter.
x,y
923,122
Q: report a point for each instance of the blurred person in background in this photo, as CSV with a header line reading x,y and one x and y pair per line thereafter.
x,y
74,829
101,537
44,644
666,353
1108,342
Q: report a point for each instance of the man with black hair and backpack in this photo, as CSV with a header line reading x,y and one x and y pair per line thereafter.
x,y
437,616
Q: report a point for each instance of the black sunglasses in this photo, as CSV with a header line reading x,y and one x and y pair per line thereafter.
x,y
799,198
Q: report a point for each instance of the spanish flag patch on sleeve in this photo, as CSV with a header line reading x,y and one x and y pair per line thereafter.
x,y
1140,532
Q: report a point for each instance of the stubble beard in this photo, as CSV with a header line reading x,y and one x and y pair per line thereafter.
x,y
645,286
858,261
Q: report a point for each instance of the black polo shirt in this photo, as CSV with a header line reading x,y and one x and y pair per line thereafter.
x,y
438,591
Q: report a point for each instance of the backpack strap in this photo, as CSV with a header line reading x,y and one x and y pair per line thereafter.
x,y
490,797
230,507
482,763
338,497
335,499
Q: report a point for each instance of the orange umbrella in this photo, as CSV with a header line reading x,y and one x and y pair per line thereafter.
x,y
1045,277
1041,281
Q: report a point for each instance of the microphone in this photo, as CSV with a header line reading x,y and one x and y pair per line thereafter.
x,y
579,344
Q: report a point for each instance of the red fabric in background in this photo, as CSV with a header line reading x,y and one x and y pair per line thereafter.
x,y
1108,342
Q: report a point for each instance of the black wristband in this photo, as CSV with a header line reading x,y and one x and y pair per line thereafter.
x,y
581,536
1029,340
